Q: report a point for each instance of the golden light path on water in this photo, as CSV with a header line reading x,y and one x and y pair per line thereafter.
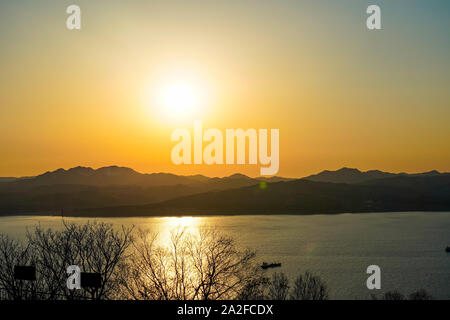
x,y
164,226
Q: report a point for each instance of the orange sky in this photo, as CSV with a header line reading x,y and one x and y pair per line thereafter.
x,y
341,95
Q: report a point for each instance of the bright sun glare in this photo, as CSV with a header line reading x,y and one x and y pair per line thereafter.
x,y
180,98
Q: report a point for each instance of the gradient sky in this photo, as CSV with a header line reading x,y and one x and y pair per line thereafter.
x,y
341,95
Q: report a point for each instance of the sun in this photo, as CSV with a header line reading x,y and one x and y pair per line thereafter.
x,y
180,98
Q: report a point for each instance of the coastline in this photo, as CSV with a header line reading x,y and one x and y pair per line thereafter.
x,y
216,214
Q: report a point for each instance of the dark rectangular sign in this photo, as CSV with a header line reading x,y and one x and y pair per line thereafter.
x,y
91,280
25,273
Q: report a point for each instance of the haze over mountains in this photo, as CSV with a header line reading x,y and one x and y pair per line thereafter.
x,y
120,191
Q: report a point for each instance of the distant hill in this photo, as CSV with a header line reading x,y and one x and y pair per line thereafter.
x,y
349,175
83,187
120,191
435,184
420,193
275,179
108,176
10,179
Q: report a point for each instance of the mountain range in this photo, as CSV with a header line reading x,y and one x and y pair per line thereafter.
x,y
349,175
121,191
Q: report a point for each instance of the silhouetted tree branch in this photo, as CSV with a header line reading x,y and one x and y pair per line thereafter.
x,y
94,247
206,266
309,287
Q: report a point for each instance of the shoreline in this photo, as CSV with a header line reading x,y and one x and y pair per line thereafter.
x,y
213,215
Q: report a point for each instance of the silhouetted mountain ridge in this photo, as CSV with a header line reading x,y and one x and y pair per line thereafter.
x,y
84,187
121,191
351,175
112,175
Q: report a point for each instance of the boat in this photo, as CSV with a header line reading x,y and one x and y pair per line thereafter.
x,y
266,265
447,249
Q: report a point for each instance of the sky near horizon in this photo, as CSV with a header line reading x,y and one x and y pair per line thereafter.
x,y
340,95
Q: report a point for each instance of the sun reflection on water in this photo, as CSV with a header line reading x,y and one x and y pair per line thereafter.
x,y
166,225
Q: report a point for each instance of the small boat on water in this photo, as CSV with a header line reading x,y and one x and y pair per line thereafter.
x,y
447,249
266,265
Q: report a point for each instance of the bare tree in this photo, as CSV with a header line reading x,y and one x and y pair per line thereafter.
x,y
13,253
390,295
279,287
55,251
306,287
206,266
94,247
420,294
152,271
309,287
221,269
255,289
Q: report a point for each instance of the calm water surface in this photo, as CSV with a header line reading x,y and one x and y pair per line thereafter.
x,y
408,247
